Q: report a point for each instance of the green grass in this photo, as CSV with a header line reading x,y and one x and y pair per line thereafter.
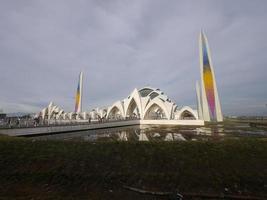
x,y
81,170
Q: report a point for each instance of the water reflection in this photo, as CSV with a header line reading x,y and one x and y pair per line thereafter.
x,y
174,137
159,133
122,136
141,136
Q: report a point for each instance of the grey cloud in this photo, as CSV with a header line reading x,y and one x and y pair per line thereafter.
x,y
121,45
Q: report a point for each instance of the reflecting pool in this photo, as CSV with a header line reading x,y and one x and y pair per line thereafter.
x,y
163,133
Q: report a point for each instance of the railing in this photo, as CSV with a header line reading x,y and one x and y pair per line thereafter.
x,y
31,123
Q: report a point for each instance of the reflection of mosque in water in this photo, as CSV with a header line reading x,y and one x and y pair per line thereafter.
x,y
142,136
154,134
158,134
174,137
122,136
210,131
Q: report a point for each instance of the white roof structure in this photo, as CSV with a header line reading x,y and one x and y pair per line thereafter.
x,y
145,104
149,103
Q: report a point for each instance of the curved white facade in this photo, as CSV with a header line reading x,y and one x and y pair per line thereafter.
x,y
144,104
148,104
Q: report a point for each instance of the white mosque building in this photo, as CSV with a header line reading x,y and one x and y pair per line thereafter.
x,y
144,104
149,104
152,105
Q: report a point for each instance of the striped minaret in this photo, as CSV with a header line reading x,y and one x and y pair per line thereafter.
x,y
211,106
78,97
199,104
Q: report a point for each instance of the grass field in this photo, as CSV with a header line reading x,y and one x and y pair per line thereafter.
x,y
32,169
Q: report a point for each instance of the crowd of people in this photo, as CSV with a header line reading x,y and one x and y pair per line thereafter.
x,y
24,122
19,122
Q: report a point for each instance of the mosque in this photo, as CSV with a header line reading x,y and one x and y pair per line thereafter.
x,y
152,104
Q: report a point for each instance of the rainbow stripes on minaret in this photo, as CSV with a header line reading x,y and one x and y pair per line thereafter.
x,y
78,97
199,104
211,108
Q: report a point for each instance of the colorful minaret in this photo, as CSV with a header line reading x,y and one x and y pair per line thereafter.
x,y
199,104
78,97
211,107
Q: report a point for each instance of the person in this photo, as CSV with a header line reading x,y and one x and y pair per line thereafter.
x,y
18,122
9,122
35,121
89,120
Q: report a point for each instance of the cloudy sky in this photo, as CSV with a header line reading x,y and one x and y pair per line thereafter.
x,y
124,44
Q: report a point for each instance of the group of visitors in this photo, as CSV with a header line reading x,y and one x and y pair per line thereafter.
x,y
19,122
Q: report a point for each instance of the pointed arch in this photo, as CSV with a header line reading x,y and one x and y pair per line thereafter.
x,y
116,106
187,113
134,98
115,112
133,110
160,104
156,111
103,113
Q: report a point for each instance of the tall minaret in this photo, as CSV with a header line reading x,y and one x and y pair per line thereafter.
x,y
211,106
199,103
78,97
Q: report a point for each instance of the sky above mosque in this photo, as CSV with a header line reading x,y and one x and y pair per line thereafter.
x,y
123,44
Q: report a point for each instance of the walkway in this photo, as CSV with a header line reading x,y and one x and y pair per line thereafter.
x,y
46,130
